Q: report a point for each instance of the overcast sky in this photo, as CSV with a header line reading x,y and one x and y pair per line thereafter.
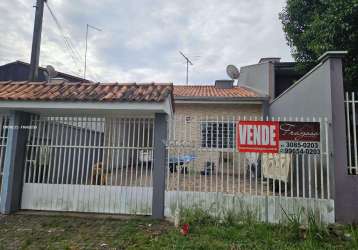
x,y
141,38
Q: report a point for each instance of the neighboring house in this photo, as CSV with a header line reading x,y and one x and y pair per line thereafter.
x,y
19,71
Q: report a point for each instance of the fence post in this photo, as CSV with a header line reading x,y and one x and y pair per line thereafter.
x,y
159,165
14,162
345,186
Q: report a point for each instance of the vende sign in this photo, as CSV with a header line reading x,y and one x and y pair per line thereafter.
x,y
278,137
258,136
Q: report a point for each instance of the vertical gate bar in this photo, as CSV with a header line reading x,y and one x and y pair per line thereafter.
x,y
113,153
297,171
303,172
211,152
256,157
100,126
79,152
232,136
280,164
118,151
328,164
48,153
136,183
291,169
127,159
321,126
42,147
286,195
244,170
36,151
108,145
348,122
315,169
133,135
32,149
52,152
27,170
238,155
354,130
222,153
93,132
150,134
84,148
123,122
309,173
70,151
227,154
261,169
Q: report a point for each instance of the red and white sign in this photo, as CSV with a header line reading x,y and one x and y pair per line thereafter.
x,y
258,136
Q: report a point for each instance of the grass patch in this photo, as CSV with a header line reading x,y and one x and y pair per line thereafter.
x,y
232,231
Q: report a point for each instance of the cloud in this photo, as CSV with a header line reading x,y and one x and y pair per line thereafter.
x,y
141,39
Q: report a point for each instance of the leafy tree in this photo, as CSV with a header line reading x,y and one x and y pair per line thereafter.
x,y
314,26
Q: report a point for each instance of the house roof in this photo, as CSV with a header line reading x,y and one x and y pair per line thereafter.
x,y
182,92
84,92
19,71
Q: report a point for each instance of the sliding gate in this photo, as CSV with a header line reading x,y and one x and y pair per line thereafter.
x,y
89,164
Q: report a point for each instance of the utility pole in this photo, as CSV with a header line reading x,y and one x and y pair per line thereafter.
x,y
187,66
36,40
92,27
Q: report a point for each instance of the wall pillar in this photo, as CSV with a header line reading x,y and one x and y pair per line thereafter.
x,y
345,188
159,165
14,162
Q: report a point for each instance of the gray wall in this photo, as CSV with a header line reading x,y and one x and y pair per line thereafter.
x,y
259,77
320,93
308,97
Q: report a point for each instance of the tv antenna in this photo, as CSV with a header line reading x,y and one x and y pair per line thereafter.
x,y
94,28
187,66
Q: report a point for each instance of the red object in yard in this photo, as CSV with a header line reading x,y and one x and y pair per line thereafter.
x,y
185,229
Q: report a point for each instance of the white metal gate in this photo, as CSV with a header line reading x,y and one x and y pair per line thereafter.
x,y
206,170
351,122
4,122
89,164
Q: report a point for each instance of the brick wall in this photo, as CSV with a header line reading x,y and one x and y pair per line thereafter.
x,y
187,129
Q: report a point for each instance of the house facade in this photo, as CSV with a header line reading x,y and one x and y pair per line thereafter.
x,y
205,117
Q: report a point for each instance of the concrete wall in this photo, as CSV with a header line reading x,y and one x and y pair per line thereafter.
x,y
308,97
320,94
259,76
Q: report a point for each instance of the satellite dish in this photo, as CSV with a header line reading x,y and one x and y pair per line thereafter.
x,y
51,72
232,72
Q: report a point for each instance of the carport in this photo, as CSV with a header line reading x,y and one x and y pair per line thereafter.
x,y
84,147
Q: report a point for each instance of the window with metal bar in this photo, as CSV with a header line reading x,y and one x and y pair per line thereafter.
x,y
217,134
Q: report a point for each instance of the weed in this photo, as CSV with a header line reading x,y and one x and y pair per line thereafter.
x,y
294,222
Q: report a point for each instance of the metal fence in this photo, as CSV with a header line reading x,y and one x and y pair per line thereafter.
x,y
4,122
205,168
351,121
89,164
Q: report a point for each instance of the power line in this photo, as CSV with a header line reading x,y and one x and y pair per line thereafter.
x,y
75,55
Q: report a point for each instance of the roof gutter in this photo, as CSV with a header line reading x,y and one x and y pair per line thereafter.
x,y
220,99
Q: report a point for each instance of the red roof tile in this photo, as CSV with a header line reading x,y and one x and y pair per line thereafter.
x,y
97,92
197,91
